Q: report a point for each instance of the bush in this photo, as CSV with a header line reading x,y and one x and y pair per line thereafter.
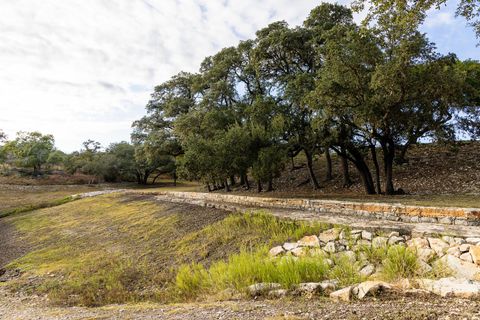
x,y
400,262
345,272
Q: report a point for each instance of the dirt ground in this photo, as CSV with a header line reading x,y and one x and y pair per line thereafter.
x,y
386,308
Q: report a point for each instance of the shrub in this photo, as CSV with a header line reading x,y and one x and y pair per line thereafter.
x,y
400,262
345,272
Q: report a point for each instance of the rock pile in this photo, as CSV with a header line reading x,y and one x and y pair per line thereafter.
x,y
457,257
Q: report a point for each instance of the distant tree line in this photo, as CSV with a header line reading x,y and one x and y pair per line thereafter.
x,y
328,86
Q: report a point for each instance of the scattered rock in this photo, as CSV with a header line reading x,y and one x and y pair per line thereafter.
x,y
464,247
460,268
329,235
419,243
368,270
451,287
466,257
394,234
330,247
290,245
425,254
275,251
449,240
379,242
365,243
424,267
475,252
300,252
278,293
395,240
342,294
263,288
367,235
309,241
472,240
349,255
369,288
454,251
438,245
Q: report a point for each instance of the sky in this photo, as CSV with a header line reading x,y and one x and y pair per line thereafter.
x,y
85,69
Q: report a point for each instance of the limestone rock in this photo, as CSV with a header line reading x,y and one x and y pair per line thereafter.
x,y
368,270
451,287
425,254
368,288
278,293
423,267
309,241
449,240
330,247
367,235
379,242
342,294
438,245
259,289
460,268
300,252
466,257
290,245
364,242
349,255
419,243
395,240
464,247
329,235
275,251
308,288
472,240
394,234
475,252
454,251
459,241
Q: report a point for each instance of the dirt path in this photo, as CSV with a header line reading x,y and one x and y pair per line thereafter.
x,y
19,307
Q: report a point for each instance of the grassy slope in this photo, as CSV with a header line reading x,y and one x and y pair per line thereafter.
x,y
118,248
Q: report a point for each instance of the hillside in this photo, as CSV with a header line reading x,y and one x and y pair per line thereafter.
x,y
431,170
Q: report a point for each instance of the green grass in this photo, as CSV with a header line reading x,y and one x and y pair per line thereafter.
x,y
128,248
400,262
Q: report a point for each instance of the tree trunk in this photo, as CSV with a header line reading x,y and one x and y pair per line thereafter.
x,y
293,164
313,178
373,151
259,186
208,187
347,181
247,183
227,187
270,185
232,180
175,177
328,157
388,148
156,177
363,169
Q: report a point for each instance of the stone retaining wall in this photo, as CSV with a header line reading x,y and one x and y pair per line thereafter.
x,y
393,212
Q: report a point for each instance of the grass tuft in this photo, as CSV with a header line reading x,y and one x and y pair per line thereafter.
x,y
400,262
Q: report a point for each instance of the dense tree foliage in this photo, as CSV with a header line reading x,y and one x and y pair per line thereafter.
x,y
326,86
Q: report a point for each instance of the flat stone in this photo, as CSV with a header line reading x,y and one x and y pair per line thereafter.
x,y
449,240
438,245
349,255
451,287
290,245
367,235
367,271
308,288
424,267
369,288
262,288
459,241
342,294
309,241
394,234
316,252
363,242
395,240
460,268
275,251
454,251
472,240
475,252
419,243
379,242
329,235
466,257
464,247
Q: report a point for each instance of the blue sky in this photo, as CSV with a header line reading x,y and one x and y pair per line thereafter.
x,y
84,69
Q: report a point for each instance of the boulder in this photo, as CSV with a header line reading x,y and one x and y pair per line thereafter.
x,y
475,252
454,251
394,234
290,246
300,252
459,241
278,293
423,267
472,240
275,251
349,255
371,288
314,287
309,241
419,243
367,271
449,240
464,247
438,245
329,235
460,268
342,294
379,242
451,287
263,288
363,242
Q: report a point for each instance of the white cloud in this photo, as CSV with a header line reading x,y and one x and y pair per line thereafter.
x,y
84,69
